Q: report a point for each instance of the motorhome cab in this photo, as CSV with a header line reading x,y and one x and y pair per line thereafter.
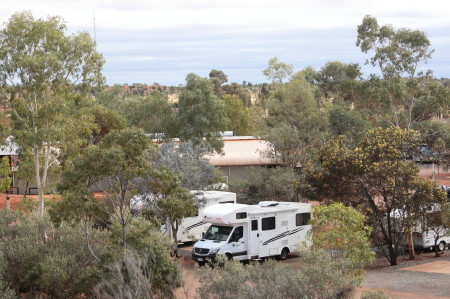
x,y
247,232
192,228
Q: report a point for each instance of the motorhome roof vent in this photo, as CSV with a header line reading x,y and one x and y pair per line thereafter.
x,y
268,203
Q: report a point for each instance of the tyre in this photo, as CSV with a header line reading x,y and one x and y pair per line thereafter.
x,y
441,246
284,254
229,256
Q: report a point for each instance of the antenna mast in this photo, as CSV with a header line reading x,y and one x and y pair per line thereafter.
x,y
95,32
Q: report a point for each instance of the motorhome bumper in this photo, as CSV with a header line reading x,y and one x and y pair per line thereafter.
x,y
203,258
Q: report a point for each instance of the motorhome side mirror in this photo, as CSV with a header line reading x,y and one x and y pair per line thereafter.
x,y
203,235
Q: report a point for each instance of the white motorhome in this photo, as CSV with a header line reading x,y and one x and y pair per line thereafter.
x,y
246,232
192,228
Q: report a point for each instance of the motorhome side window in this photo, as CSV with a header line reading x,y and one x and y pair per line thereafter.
x,y
242,215
268,223
228,201
302,219
238,233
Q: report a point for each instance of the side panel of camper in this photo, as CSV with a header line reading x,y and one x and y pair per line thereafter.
x,y
272,233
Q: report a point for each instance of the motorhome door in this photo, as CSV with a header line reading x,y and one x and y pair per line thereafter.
x,y
254,237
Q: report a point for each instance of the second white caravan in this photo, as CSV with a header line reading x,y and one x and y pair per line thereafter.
x,y
246,232
192,228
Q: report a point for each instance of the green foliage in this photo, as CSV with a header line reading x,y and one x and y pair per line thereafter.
x,y
154,114
326,277
320,277
41,259
295,126
129,278
376,294
113,165
147,244
234,280
5,179
343,233
261,184
397,52
237,114
39,66
173,201
375,175
337,80
219,75
5,291
239,91
277,71
202,113
344,121
188,162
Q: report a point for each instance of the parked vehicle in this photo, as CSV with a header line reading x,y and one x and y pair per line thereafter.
x,y
425,240
190,228
245,232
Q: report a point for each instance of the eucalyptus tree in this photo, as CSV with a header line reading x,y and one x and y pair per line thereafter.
x,y
375,176
201,113
397,54
277,71
40,66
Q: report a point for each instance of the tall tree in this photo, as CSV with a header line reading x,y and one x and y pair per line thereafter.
x,y
277,71
239,115
201,113
397,54
39,68
114,166
375,175
295,125
153,113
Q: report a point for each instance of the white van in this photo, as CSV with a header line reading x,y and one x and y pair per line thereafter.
x,y
425,240
246,232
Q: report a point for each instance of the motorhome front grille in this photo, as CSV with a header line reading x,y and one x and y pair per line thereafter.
x,y
201,250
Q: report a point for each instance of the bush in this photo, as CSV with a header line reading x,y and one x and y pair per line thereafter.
x,y
321,277
144,239
130,278
41,259
326,277
376,294
235,280
5,291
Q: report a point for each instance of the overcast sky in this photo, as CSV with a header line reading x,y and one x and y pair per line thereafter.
x,y
146,41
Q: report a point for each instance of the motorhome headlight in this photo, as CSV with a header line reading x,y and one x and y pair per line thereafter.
x,y
214,250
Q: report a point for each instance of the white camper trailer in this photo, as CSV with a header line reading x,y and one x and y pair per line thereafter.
x,y
192,228
246,232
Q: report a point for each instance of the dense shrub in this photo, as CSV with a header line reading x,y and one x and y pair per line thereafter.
x,y
41,259
321,277
145,240
5,291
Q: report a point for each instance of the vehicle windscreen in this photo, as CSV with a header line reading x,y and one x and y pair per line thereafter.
x,y
217,232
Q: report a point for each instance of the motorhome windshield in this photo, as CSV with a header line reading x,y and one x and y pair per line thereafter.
x,y
217,232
